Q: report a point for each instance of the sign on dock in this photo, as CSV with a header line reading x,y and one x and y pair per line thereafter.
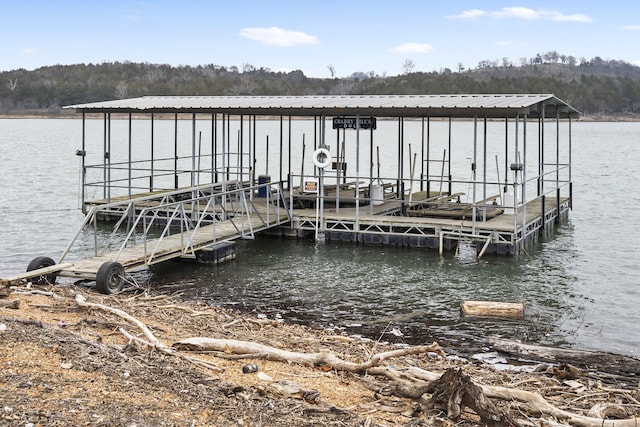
x,y
351,122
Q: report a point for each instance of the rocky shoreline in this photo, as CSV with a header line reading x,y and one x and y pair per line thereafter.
x,y
70,356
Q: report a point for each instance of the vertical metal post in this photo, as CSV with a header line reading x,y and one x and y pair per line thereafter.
x,y
214,148
320,237
108,155
241,149
175,151
129,165
289,179
484,169
558,165
193,149
428,171
515,178
357,226
371,171
227,154
398,173
523,173
473,172
281,144
449,160
506,159
542,165
224,156
105,154
151,166
252,154
570,177
83,170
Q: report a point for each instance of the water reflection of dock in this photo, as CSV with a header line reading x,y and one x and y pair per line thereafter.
x,y
517,187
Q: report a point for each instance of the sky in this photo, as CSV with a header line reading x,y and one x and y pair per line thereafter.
x,y
346,37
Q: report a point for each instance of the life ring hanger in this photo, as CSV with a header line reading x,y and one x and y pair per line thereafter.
x,y
322,158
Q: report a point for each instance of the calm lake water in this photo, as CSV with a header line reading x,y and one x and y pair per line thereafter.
x,y
580,288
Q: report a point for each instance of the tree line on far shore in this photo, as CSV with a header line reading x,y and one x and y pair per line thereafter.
x,y
596,87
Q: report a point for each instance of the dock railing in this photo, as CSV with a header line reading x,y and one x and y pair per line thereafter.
x,y
192,218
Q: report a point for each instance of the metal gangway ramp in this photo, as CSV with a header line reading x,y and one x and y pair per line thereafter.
x,y
160,227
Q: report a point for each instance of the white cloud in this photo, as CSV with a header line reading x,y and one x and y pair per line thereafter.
x,y
469,14
505,43
636,62
409,48
29,51
525,13
630,28
275,36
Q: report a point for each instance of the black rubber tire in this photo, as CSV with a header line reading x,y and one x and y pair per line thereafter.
x,y
110,278
41,262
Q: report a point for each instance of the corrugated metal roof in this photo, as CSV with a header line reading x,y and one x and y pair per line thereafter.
x,y
480,105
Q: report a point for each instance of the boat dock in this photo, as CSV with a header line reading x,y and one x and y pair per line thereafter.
x,y
183,177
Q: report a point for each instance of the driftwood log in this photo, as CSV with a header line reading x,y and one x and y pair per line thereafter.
x,y
14,305
620,365
272,353
503,310
534,403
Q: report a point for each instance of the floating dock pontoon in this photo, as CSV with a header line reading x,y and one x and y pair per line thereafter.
x,y
179,175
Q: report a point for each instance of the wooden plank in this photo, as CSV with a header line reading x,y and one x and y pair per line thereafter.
x,y
33,273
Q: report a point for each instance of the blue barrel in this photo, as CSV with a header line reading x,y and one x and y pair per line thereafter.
x,y
263,179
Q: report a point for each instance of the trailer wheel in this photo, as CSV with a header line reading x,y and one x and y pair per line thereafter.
x,y
110,278
42,262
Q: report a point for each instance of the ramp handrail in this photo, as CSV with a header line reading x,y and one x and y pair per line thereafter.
x,y
184,212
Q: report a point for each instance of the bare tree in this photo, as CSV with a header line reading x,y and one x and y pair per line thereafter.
x,y
524,60
121,90
13,84
407,66
332,70
460,67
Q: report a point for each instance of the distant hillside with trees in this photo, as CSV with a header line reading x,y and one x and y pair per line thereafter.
x,y
598,88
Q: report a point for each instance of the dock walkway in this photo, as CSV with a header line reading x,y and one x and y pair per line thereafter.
x,y
160,227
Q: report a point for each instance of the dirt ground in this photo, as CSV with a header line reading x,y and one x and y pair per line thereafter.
x,y
63,364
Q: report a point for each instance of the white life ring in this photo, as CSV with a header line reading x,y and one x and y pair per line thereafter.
x,y
318,155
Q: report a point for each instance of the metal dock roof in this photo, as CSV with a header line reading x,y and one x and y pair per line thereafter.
x,y
462,106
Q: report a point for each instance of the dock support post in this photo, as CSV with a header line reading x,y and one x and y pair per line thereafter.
x,y
441,246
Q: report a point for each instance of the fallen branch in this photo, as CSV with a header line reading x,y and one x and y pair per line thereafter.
x,y
13,305
272,353
535,403
82,302
152,340
622,366
171,352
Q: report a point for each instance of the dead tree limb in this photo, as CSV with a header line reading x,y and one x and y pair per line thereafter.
x,y
272,353
82,302
534,403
